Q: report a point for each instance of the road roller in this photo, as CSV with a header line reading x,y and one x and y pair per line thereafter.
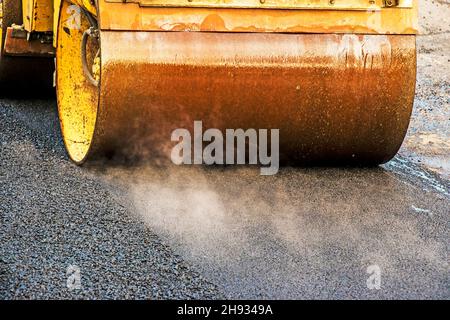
x,y
335,77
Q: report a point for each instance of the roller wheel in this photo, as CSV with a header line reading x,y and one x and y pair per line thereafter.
x,y
77,93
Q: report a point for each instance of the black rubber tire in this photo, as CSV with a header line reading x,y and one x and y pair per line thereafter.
x,y
21,76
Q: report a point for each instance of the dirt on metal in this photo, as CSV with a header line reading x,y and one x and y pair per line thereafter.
x,y
335,98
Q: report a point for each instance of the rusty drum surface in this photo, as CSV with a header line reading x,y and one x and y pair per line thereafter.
x,y
335,98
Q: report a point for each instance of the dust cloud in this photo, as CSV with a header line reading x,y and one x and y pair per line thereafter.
x,y
274,236
244,229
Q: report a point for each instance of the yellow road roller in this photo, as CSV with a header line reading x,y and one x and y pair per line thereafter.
x,y
336,77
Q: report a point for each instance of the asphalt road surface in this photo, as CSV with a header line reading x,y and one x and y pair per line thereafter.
x,y
186,232
195,232
151,231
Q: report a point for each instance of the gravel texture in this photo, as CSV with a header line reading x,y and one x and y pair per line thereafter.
x,y
302,234
428,141
152,232
54,214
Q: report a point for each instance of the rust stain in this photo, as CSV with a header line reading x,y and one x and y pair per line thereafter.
x,y
213,22
24,48
318,89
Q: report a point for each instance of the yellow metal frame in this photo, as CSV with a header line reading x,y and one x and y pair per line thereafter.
x,y
135,16
291,16
37,15
287,16
272,4
1,20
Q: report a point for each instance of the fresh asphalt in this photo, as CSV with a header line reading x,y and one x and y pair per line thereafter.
x,y
193,232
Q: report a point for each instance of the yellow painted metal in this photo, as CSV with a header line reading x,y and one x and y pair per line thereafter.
x,y
56,10
1,21
272,4
132,16
86,4
57,7
37,15
77,98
